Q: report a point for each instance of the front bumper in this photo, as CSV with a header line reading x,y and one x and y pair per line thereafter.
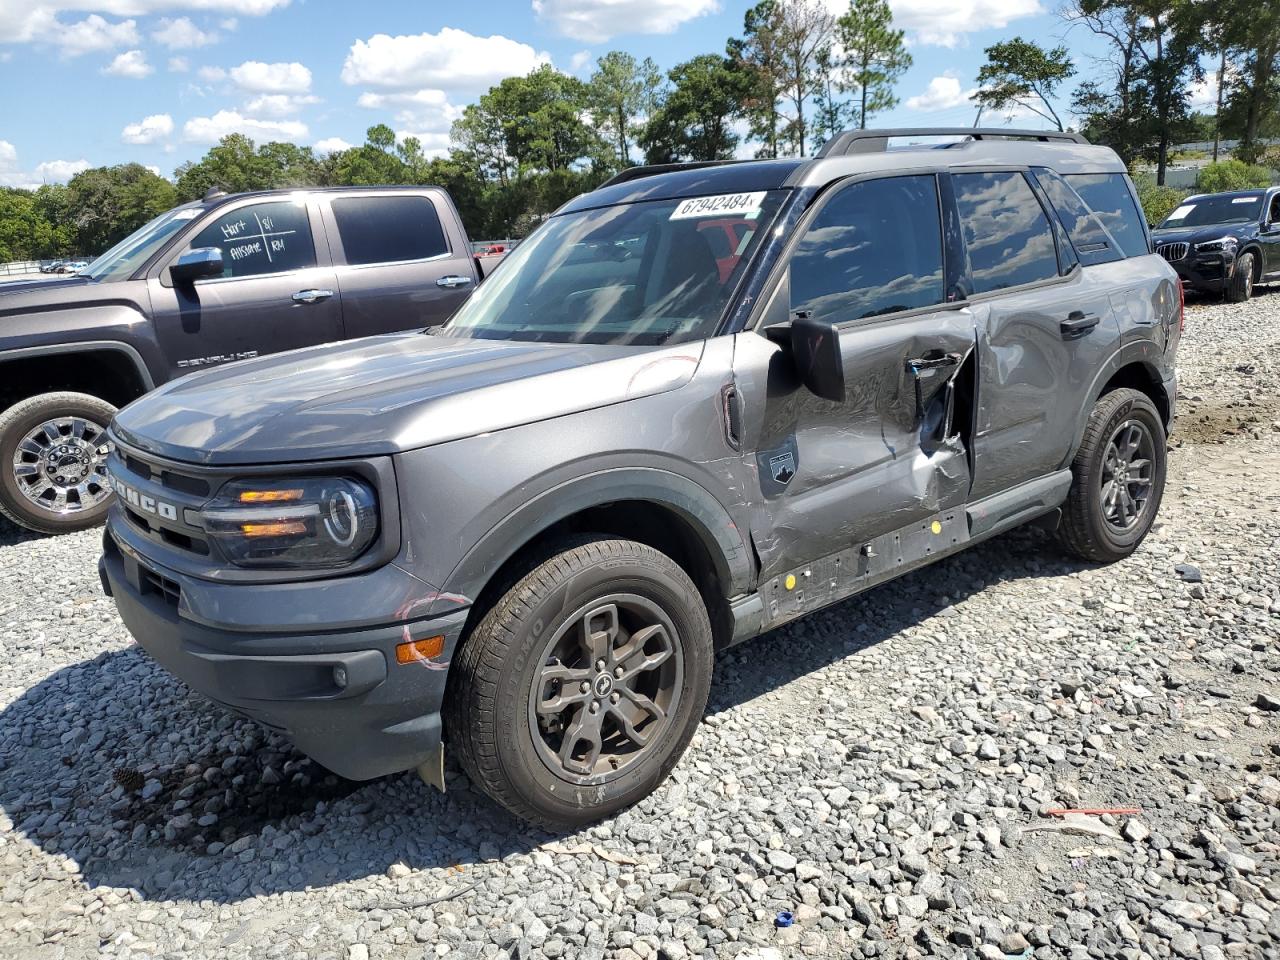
x,y
340,696
1205,271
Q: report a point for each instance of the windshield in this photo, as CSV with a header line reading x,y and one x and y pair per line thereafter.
x,y
657,271
1203,211
120,261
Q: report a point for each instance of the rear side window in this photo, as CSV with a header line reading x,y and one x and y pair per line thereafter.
x,y
1092,243
262,238
1008,235
1108,196
388,229
875,248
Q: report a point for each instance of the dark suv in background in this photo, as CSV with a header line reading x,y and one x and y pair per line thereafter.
x,y
1224,242
528,530
222,279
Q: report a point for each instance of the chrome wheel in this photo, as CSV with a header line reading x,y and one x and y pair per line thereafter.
x,y
1127,475
60,465
608,684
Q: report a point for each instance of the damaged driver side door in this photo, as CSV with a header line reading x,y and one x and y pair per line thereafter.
x,y
879,477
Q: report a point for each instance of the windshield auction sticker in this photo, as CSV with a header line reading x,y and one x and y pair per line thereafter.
x,y
1181,212
745,205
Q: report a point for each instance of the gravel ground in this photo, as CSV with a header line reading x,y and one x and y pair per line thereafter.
x,y
882,770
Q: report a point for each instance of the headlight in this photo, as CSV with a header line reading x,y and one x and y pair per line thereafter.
x,y
304,523
1221,245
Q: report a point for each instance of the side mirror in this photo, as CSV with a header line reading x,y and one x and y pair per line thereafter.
x,y
815,349
198,264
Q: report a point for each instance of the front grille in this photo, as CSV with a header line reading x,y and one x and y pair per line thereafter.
x,y
1174,251
156,500
165,588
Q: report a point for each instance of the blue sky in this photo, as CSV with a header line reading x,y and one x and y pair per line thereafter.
x,y
95,82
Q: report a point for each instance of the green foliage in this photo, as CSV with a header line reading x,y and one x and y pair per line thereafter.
x,y
696,121
1022,73
623,92
1157,201
234,165
106,204
1232,175
875,56
757,57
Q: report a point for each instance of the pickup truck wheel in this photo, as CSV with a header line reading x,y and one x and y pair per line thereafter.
x,y
1240,283
580,688
53,454
1119,474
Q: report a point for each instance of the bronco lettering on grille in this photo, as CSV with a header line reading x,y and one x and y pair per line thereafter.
x,y
142,502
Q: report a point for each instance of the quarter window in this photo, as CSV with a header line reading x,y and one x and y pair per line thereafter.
x,y
1008,235
1088,236
388,229
261,239
875,248
1108,196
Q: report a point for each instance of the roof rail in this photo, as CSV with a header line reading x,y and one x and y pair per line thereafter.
x,y
877,141
653,169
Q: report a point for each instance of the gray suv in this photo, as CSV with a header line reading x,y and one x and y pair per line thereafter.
x,y
525,533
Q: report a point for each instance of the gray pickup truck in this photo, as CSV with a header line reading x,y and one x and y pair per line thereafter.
x,y
525,533
221,279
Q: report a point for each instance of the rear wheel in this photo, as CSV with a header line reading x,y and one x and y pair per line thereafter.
x,y
53,454
1118,478
579,690
1240,283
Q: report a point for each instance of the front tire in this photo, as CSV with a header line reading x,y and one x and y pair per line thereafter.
x,y
53,462
1240,283
1118,479
580,688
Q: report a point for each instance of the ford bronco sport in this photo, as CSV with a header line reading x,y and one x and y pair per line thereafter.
x,y
526,532
221,279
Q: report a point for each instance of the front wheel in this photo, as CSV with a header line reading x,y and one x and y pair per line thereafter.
x,y
580,688
1240,283
53,456
1118,478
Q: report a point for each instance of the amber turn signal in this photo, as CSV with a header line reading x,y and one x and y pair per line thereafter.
x,y
270,496
275,528
416,650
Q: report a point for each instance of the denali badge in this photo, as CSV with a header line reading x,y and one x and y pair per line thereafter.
x,y
142,502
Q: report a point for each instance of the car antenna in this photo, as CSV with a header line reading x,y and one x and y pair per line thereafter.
x,y
213,193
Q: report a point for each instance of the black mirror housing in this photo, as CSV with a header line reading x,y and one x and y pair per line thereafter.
x,y
200,263
815,349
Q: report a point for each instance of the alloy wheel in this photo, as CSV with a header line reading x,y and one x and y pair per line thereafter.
x,y
608,683
1127,471
61,465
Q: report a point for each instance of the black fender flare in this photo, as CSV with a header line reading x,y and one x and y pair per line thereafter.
x,y
1259,258
85,346
690,501
1145,353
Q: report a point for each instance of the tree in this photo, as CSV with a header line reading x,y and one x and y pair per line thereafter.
x,y
621,92
1254,30
830,112
806,31
235,165
696,121
375,162
875,56
758,57
1021,73
25,232
106,204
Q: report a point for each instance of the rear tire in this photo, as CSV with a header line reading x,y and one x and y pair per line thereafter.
x,y
1240,283
1118,479
534,719
53,462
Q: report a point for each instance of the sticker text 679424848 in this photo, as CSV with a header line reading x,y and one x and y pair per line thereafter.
x,y
746,205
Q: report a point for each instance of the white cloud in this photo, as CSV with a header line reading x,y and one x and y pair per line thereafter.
x,y
132,64
158,126
224,122
943,93
211,74
451,59
433,142
179,65
59,171
945,23
93,34
230,23
331,145
579,60
595,21
258,77
154,169
279,104
182,34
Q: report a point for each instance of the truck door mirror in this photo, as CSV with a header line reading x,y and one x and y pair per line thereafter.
x,y
198,264
815,350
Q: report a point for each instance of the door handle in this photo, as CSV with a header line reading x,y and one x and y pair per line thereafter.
x,y
312,296
933,363
452,282
1078,324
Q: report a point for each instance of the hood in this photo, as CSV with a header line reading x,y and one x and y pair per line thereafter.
x,y
388,394
1213,231
21,294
